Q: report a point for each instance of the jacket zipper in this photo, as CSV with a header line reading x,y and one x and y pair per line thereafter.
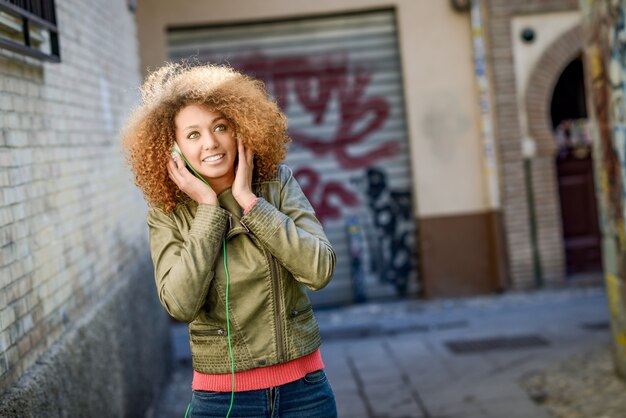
x,y
218,331
275,290
279,323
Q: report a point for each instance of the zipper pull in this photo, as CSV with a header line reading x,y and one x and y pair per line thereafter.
x,y
244,225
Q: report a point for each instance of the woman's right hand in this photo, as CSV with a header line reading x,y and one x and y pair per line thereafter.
x,y
191,185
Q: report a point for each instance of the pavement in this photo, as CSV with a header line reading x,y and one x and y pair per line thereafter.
x,y
458,358
584,386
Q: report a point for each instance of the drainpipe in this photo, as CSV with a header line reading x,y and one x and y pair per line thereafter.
x,y
490,166
529,149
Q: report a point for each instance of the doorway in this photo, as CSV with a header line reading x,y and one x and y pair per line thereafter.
x,y
574,166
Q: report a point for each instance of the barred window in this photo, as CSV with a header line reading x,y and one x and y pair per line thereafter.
x,y
29,27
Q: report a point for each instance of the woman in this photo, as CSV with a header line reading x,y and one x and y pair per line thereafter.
x,y
235,244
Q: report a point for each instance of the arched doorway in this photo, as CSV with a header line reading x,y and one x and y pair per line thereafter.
x,y
555,93
574,168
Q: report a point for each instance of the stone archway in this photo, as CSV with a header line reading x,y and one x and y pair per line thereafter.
x,y
544,178
541,85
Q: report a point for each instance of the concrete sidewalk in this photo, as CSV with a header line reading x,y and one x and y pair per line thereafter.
x,y
453,359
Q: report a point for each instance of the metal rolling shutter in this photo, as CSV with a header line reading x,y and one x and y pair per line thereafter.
x,y
338,80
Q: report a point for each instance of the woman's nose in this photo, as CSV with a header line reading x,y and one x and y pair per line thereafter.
x,y
209,142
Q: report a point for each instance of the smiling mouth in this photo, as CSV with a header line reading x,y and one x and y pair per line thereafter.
x,y
213,158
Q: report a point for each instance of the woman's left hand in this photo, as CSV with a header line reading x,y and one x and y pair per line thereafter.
x,y
242,186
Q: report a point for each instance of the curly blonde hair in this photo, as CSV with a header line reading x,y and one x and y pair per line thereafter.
x,y
149,133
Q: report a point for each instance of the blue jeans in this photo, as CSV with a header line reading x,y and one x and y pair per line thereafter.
x,y
309,397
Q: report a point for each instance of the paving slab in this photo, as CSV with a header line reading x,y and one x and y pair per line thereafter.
x,y
393,359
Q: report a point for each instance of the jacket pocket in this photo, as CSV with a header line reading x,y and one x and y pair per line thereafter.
x,y
208,332
315,377
300,312
302,331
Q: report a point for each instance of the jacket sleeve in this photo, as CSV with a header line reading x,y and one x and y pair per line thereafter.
x,y
293,234
184,268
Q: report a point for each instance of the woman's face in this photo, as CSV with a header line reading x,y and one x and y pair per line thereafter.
x,y
207,139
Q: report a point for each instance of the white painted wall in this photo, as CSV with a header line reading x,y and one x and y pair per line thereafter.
x,y
548,28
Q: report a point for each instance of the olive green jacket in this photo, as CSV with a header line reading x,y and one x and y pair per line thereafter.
x,y
272,252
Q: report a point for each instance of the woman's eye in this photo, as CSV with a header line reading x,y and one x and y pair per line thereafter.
x,y
193,135
220,128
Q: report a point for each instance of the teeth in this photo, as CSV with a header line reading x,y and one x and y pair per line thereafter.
x,y
213,158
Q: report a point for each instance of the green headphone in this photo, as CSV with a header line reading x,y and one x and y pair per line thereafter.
x,y
176,150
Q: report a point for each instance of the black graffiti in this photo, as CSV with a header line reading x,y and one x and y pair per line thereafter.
x,y
391,212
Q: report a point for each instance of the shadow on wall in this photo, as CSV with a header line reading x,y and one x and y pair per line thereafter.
x,y
113,362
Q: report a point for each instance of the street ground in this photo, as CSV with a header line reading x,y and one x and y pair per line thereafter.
x,y
583,386
485,357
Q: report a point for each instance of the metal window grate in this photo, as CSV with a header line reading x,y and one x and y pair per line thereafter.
x,y
596,326
369,330
496,343
29,27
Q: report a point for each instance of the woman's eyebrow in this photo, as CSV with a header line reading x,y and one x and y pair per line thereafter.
x,y
198,127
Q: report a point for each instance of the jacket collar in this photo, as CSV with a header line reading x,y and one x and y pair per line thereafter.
x,y
228,203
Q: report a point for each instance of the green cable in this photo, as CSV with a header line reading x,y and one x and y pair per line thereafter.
x,y
230,346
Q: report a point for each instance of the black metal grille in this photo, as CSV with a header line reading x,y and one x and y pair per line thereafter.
x,y
496,343
357,331
38,14
596,326
40,8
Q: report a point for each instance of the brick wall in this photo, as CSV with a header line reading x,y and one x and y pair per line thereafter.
x,y
545,182
508,134
70,220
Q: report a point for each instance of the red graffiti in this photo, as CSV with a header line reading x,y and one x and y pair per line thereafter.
x,y
315,83
309,180
353,108
306,79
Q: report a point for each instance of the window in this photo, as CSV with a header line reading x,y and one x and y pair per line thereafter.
x,y
29,27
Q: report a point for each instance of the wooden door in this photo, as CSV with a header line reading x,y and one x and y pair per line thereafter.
x,y
579,213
